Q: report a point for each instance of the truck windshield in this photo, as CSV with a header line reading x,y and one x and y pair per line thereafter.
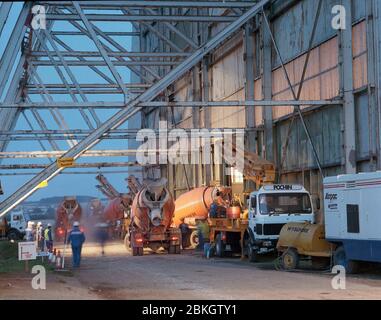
x,y
285,203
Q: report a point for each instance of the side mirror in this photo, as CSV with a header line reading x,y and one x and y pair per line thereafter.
x,y
318,204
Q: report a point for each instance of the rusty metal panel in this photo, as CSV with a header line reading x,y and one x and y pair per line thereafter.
x,y
360,72
321,81
228,85
229,117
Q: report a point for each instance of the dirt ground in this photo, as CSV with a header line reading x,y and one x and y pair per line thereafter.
x,y
118,275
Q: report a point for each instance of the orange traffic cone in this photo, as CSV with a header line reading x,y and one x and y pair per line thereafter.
x,y
59,260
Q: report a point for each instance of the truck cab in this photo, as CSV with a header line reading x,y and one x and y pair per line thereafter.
x,y
17,222
270,208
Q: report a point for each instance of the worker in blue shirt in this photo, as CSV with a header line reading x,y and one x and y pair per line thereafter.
x,y
76,238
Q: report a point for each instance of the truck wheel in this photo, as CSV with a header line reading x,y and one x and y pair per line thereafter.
x,y
193,239
135,251
290,259
220,246
340,258
252,253
140,251
14,235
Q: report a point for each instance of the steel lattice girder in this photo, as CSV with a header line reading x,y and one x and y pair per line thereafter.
x,y
131,107
175,104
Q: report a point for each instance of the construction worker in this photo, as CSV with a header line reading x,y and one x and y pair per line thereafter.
x,y
48,238
101,234
203,233
213,211
184,228
40,236
30,232
76,238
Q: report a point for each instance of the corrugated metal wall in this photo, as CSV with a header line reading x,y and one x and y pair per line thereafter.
x,y
292,30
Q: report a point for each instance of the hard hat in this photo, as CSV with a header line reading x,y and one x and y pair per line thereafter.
x,y
39,223
76,224
49,225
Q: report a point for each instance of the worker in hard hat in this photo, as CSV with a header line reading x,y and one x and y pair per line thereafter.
x,y
40,236
48,237
76,238
30,232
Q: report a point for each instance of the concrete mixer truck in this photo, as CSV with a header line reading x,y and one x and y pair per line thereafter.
x,y
68,211
151,217
195,204
117,211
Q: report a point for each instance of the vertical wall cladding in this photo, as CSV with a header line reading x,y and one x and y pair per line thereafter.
x,y
321,80
324,127
228,81
292,29
362,127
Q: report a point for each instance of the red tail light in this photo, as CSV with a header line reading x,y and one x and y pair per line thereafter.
x,y
60,231
174,238
139,240
223,236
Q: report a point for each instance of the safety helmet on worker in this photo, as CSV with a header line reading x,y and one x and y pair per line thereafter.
x,y
76,224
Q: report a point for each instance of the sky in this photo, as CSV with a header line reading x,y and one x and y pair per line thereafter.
x,y
67,185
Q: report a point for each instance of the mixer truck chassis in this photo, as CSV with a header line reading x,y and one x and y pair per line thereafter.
x,y
169,240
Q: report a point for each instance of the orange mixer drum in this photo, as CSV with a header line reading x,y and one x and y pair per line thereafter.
x,y
196,203
116,208
148,214
68,211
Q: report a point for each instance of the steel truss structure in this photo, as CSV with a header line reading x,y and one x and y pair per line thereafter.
x,y
31,56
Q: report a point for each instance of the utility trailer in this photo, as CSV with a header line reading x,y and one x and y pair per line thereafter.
x,y
352,205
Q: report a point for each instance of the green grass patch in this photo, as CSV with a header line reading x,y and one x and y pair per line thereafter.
x,y
9,259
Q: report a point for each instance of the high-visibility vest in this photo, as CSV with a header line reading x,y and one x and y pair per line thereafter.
x,y
46,234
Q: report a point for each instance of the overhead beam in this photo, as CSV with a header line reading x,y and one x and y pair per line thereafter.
x,y
131,108
127,54
141,18
5,8
178,104
109,33
89,63
153,4
76,165
129,171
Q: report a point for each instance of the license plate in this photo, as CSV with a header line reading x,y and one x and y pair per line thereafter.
x,y
267,243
